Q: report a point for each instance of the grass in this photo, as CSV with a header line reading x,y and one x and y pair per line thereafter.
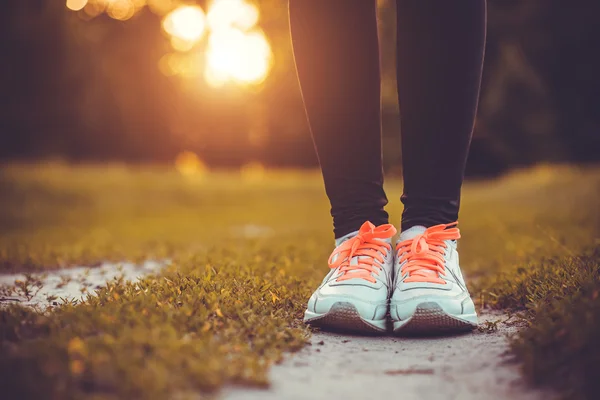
x,y
559,348
246,251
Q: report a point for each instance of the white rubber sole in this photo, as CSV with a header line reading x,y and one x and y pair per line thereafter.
x,y
343,317
430,318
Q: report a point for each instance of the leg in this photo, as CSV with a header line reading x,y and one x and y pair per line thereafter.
x,y
337,58
440,48
440,56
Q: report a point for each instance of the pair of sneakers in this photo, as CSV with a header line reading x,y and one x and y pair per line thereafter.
x,y
418,284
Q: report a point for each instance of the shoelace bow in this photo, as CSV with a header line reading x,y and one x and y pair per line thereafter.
x,y
367,243
424,254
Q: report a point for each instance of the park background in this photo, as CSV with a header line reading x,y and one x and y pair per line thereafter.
x,y
173,131
112,82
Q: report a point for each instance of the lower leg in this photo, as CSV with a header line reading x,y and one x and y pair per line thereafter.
x,y
440,46
337,59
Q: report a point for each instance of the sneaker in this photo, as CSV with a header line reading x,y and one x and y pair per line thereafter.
x,y
353,297
430,295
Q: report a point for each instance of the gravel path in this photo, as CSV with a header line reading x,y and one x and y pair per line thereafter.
x,y
470,366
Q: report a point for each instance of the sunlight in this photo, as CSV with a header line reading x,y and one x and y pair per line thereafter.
x,y
237,56
236,49
226,14
186,24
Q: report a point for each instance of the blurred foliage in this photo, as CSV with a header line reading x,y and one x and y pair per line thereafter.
x,y
81,88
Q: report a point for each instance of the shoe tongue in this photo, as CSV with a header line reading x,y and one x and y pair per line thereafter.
x,y
412,232
341,240
354,261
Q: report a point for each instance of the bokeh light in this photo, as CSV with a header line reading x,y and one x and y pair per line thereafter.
x,y
236,50
94,8
238,56
181,45
227,14
76,5
121,10
186,65
189,164
162,7
186,25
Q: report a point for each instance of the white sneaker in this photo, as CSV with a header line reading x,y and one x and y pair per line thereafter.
x,y
354,295
430,294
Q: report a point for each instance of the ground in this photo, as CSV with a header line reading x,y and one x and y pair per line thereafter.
x,y
244,251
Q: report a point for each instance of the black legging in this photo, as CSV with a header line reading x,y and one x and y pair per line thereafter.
x,y
440,45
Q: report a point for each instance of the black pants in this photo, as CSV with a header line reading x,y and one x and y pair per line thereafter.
x,y
440,46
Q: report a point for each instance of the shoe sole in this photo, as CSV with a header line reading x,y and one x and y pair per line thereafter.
x,y
343,317
430,318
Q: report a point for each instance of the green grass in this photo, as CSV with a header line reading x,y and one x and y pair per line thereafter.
x,y
559,348
230,304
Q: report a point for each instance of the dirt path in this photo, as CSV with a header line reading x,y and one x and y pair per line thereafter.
x,y
472,366
333,366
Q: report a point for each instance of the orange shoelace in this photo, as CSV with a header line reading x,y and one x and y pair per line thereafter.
x,y
424,254
366,244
